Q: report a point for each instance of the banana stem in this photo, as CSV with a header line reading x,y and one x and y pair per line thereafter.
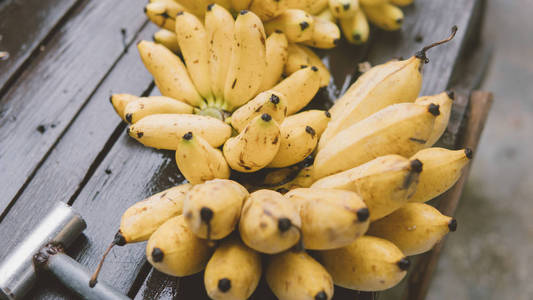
x,y
118,240
422,53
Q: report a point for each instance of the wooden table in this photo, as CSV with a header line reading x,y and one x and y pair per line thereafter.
x,y
60,140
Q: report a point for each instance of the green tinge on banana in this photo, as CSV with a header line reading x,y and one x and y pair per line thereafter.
x,y
415,228
270,102
145,106
212,209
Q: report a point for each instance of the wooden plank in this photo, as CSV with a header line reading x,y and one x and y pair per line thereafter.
x,y
56,85
34,20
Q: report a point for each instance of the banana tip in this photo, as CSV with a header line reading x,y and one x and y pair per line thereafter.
x,y
266,117
321,296
416,166
274,99
206,214
314,68
304,25
469,153
119,239
434,109
224,285
243,12
210,6
363,214
328,114
404,264
157,255
284,224
451,94
452,225
128,117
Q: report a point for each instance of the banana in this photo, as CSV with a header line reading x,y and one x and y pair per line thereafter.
x,y
401,129
269,223
219,26
367,264
255,146
326,34
444,101
355,28
174,250
163,13
164,131
284,180
317,119
303,179
212,209
170,75
196,7
268,9
239,5
311,6
401,2
270,102
295,275
226,4
373,2
193,42
385,183
386,16
146,106
233,272
300,56
442,169
330,218
300,88
415,228
247,65
198,161
296,144
343,8
276,58
140,220
297,25
119,102
168,39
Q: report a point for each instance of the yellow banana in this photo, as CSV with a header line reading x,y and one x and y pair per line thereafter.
x,y
276,57
444,101
401,2
198,161
295,145
146,106
165,130
196,7
269,102
212,209
386,16
300,88
233,271
367,264
355,28
140,220
373,2
326,34
174,250
297,25
415,228
119,102
239,5
255,146
442,168
401,129
219,26
300,56
311,6
269,223
168,39
268,9
343,8
193,42
170,75
317,119
385,183
163,13
330,218
295,275
247,65
224,3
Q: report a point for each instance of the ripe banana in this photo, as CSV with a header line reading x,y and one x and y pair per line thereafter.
x,y
168,39
276,58
198,161
330,218
239,5
269,223
295,145
119,102
311,6
163,13
343,8
318,119
174,250
444,101
442,168
233,271
355,28
285,179
373,2
193,42
164,131
297,25
270,102
401,2
367,264
300,88
386,16
146,106
140,220
295,275
415,228
255,146
268,9
326,34
219,26
196,7
170,75
385,183
401,129
300,56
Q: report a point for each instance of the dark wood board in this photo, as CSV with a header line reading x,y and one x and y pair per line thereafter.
x,y
34,20
40,105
